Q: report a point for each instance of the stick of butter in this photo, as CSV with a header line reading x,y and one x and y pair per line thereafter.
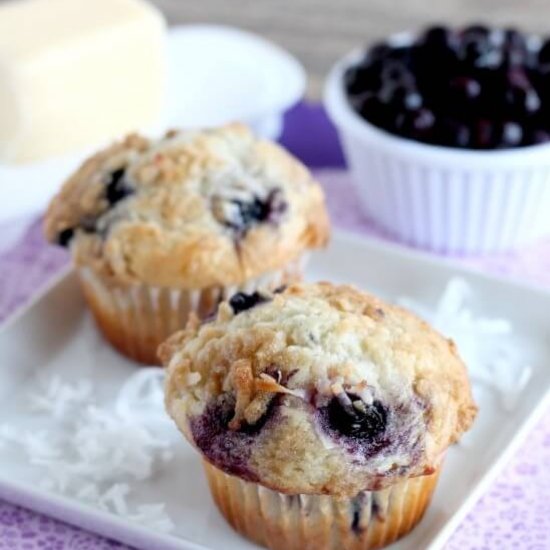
x,y
75,73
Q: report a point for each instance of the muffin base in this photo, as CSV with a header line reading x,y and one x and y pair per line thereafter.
x,y
136,319
370,520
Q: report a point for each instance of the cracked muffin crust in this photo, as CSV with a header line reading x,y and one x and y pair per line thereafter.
x,y
317,389
192,210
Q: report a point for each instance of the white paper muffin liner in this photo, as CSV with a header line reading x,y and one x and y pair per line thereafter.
x,y
372,519
438,198
136,319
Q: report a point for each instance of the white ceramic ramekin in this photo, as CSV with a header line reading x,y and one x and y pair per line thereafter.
x,y
442,199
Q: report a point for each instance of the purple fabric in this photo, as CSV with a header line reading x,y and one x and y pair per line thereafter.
x,y
514,513
309,134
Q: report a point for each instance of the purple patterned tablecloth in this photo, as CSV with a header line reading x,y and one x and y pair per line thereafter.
x,y
513,514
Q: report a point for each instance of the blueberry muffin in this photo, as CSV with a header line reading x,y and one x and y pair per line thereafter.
x,y
160,229
322,414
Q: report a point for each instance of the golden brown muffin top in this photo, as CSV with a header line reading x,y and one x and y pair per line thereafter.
x,y
317,389
191,210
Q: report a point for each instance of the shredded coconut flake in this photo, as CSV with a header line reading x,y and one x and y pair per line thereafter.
x,y
485,343
115,498
96,453
154,516
55,397
8,434
141,399
88,492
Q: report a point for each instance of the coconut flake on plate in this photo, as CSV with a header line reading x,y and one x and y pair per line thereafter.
x,y
97,453
154,516
487,344
142,398
55,397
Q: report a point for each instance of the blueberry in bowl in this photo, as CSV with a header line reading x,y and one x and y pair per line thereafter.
x,y
447,135
488,84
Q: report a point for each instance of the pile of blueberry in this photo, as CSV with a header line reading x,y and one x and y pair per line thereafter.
x,y
474,88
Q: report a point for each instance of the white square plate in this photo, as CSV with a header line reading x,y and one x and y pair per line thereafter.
x,y
54,335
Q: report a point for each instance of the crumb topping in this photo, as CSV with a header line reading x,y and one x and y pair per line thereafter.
x,y
348,398
193,209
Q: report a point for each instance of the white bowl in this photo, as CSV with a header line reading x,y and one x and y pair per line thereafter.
x,y
219,74
439,198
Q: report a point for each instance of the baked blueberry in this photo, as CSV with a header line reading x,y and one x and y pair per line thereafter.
x,y
241,302
220,444
247,213
250,212
349,415
357,505
65,237
277,205
117,187
256,427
